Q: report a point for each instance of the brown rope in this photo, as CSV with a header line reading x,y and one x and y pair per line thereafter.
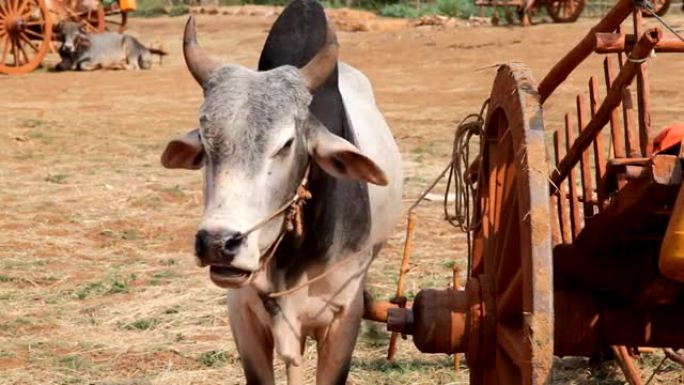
x,y
292,220
313,280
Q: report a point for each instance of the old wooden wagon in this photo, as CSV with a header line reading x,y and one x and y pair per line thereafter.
x,y
560,11
27,27
581,258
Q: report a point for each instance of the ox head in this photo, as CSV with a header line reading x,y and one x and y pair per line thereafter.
x,y
72,36
254,141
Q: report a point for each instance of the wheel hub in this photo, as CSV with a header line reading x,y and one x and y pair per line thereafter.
x,y
14,24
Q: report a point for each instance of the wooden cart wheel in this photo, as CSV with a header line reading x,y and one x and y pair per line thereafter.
x,y
564,11
25,33
92,20
660,7
512,260
115,18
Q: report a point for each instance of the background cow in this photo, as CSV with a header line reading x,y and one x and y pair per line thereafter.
x,y
107,50
260,133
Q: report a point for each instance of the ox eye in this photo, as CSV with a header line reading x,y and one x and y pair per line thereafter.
x,y
286,147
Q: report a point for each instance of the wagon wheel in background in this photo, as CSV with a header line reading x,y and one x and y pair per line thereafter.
x,y
564,11
512,341
25,33
660,7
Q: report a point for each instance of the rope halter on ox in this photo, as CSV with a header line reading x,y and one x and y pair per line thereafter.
x,y
292,209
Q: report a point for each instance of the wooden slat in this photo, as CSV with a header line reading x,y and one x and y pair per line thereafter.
x,y
575,218
599,149
562,201
612,100
616,131
643,94
575,56
633,150
585,160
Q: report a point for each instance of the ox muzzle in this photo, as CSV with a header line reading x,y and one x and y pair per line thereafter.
x,y
217,249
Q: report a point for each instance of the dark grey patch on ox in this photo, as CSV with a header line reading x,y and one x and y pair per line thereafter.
x,y
339,212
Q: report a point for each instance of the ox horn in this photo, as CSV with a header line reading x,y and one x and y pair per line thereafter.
x,y
318,69
199,63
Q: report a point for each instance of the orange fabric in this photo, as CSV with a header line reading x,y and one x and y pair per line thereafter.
x,y
668,137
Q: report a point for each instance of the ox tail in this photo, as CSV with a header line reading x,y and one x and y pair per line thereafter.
x,y
159,52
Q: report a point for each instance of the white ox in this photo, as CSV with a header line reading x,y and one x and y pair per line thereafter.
x,y
257,140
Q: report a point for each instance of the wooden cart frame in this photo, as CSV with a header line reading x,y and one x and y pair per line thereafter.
x,y
560,11
27,27
563,262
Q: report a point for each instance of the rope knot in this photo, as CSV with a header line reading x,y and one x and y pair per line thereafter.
x,y
294,214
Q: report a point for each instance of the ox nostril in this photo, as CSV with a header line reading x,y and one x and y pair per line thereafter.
x,y
232,241
201,241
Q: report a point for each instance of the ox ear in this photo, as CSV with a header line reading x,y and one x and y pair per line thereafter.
x,y
339,158
82,41
184,152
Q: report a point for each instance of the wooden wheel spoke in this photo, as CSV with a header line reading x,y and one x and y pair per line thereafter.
x,y
36,22
28,41
34,34
507,372
509,303
3,10
510,262
511,342
6,45
22,50
15,53
20,6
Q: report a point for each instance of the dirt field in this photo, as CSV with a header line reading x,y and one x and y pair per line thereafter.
x,y
97,282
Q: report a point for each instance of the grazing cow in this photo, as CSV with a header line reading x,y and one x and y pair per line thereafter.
x,y
264,137
107,50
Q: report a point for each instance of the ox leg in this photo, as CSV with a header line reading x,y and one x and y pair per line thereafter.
x,y
250,322
335,347
87,65
295,374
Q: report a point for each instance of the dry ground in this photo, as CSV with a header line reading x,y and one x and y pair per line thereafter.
x,y
97,283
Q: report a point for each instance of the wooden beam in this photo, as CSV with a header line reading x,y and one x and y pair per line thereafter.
x,y
572,59
612,100
607,42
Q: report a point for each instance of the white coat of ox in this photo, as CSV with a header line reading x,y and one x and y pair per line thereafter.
x,y
256,138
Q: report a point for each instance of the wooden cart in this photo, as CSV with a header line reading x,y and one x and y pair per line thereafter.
x,y
560,11
565,259
27,27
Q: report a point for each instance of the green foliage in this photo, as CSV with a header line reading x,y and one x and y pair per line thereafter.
x,y
112,285
56,178
150,8
456,8
213,358
179,10
176,191
142,324
74,362
399,10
